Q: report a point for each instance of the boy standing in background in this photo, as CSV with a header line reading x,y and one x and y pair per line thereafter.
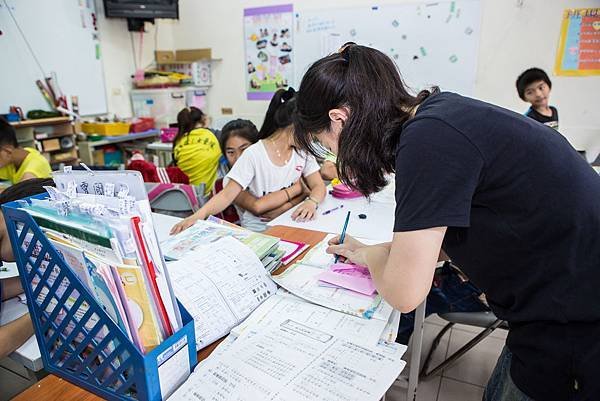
x,y
534,86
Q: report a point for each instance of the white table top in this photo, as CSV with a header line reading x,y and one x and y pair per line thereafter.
x,y
27,354
378,224
160,146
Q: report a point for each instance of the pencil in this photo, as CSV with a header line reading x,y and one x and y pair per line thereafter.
x,y
343,234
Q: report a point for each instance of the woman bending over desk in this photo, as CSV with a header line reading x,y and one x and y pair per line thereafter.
x,y
508,199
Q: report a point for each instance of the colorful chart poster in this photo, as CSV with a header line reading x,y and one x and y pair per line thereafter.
x,y
269,46
579,44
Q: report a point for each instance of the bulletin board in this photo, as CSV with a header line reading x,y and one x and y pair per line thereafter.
x,y
433,43
579,43
269,45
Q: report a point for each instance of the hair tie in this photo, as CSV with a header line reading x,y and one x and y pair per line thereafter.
x,y
288,94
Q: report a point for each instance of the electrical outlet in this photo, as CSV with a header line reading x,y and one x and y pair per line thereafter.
x,y
226,111
117,91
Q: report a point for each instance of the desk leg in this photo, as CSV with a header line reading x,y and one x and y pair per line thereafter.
x,y
415,358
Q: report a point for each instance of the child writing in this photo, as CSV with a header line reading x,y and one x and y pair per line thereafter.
x,y
236,137
19,164
267,167
196,149
533,86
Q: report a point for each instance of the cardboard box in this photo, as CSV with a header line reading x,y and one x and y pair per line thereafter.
x,y
164,56
182,56
191,55
50,145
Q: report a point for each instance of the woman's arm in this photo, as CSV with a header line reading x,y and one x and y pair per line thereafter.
x,y
215,205
306,210
328,170
272,201
403,272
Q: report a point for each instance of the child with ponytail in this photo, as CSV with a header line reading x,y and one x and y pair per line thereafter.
x,y
196,149
272,166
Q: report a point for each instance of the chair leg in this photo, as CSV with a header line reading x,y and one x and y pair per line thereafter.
x,y
454,357
434,345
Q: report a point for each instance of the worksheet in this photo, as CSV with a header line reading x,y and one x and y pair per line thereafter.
x,y
302,281
220,284
283,305
294,362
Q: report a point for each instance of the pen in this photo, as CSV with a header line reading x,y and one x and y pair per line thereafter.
x,y
331,210
343,235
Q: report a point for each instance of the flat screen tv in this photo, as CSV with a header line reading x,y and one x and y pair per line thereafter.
x,y
144,9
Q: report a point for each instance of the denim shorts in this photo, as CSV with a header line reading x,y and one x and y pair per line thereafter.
x,y
500,387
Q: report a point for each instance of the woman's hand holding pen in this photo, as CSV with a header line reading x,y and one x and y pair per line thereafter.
x,y
350,250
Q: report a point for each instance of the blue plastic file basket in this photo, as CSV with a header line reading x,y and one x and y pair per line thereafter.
x,y
110,366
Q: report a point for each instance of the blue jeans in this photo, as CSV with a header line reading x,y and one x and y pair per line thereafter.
x,y
500,387
449,293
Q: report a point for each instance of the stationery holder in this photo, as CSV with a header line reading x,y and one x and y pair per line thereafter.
x,y
112,366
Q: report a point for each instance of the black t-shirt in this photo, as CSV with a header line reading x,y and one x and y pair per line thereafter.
x,y
551,121
523,215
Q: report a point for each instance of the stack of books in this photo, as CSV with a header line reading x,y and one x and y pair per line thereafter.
x,y
272,251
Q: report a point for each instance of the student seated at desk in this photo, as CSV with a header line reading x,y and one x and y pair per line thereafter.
x,y
196,149
268,166
19,164
236,137
15,333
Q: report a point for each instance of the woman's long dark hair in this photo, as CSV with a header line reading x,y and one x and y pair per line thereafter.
x,y
280,112
187,119
368,83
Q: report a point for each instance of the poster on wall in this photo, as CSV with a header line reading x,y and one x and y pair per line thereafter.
x,y
579,44
269,65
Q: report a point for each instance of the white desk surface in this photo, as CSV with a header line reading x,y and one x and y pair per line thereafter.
x,y
378,224
164,146
28,354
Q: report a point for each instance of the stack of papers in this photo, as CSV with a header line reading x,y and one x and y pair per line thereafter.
x,y
292,350
108,240
304,279
271,251
220,284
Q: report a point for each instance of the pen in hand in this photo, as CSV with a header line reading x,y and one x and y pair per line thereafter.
x,y
343,235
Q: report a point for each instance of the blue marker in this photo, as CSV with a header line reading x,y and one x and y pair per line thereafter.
x,y
343,235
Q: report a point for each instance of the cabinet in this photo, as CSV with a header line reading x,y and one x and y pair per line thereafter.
x,y
54,138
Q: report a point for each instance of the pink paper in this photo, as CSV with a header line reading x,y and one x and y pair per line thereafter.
x,y
351,277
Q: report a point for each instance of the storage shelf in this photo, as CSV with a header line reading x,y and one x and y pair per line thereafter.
x,y
40,121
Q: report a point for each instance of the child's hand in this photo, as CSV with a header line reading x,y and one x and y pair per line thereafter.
x,y
305,212
184,224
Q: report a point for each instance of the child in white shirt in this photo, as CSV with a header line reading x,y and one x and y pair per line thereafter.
x,y
270,165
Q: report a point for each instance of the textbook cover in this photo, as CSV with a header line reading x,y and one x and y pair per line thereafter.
x,y
206,232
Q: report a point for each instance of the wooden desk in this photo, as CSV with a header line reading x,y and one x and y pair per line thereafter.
x,y
53,388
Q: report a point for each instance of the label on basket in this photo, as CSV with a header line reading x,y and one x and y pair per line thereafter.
x,y
173,367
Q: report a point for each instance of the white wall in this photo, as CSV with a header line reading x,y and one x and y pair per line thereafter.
x,y
516,34
118,55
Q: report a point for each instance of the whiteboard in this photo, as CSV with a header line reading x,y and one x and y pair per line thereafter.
x,y
434,43
64,40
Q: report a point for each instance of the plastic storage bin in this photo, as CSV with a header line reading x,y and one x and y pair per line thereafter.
x,y
164,104
111,366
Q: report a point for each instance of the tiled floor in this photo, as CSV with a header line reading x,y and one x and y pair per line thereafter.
x,y
465,380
